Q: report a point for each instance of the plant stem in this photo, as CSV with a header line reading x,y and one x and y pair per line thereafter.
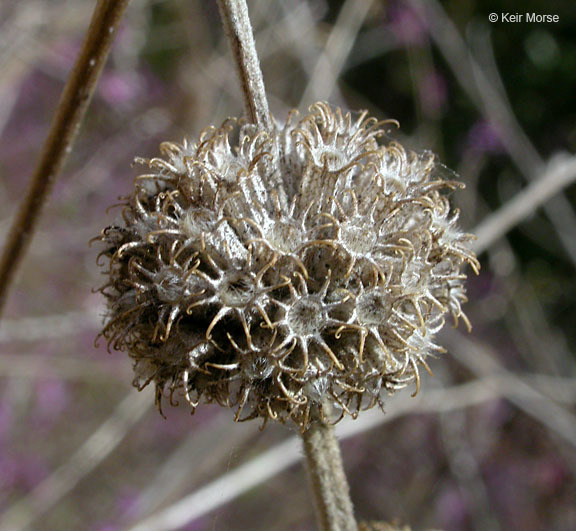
x,y
238,29
63,130
332,494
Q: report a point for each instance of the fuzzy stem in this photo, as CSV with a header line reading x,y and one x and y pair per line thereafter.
x,y
332,494
63,130
238,29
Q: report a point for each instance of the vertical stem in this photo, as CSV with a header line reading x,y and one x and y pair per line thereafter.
x,y
332,494
63,130
238,29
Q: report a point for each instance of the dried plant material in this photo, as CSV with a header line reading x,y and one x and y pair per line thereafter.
x,y
293,274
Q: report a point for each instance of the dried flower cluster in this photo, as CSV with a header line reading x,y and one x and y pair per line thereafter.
x,y
289,274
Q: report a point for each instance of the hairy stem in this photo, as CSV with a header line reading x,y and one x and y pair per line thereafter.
x,y
331,492
63,130
238,29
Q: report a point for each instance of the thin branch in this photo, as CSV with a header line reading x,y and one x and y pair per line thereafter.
x,y
476,84
293,31
224,489
63,130
300,36
338,47
492,103
270,463
465,468
329,484
95,449
238,29
27,329
203,451
559,175
477,358
62,367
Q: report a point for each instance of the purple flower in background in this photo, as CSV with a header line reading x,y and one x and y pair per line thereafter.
x,y
199,525
483,137
60,57
119,88
32,471
127,502
9,467
510,483
452,509
6,419
550,474
105,526
433,94
51,398
406,26
20,471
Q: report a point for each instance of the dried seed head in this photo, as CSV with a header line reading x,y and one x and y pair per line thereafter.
x,y
301,272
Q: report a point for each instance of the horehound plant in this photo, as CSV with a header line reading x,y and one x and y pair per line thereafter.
x,y
295,271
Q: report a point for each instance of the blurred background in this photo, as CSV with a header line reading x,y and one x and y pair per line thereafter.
x,y
489,444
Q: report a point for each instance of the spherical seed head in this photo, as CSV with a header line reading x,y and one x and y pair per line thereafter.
x,y
290,274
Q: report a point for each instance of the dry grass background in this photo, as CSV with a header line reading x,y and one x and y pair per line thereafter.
x,y
488,444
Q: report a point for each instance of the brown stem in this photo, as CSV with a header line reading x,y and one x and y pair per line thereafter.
x,y
332,494
238,29
63,130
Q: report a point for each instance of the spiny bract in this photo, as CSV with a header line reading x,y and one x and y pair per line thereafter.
x,y
291,274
